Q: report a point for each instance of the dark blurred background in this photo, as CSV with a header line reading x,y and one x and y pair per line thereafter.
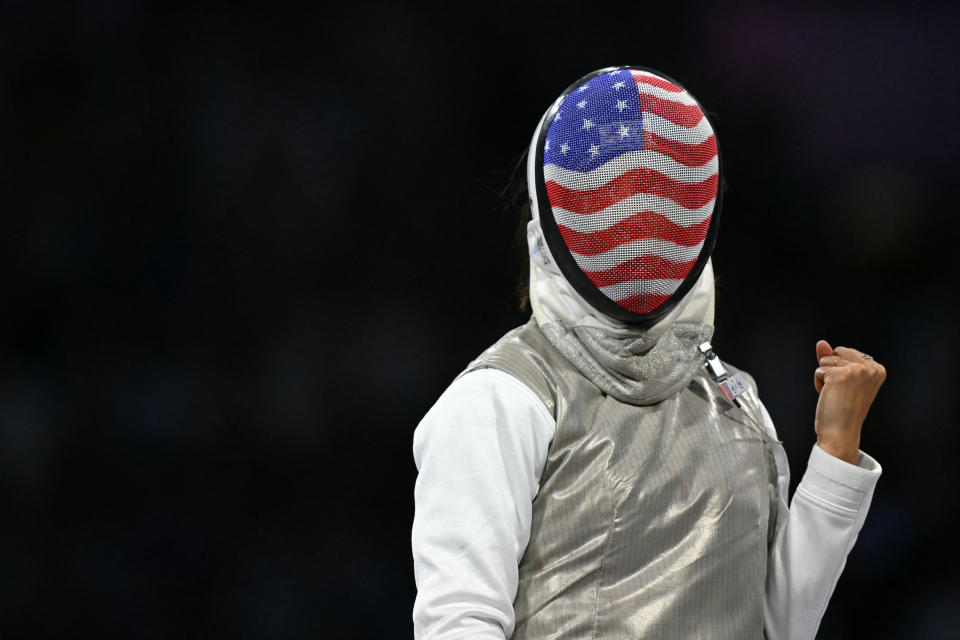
x,y
245,249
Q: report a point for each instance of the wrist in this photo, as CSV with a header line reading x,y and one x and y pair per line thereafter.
x,y
847,448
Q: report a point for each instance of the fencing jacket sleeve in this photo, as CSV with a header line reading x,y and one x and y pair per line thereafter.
x,y
480,452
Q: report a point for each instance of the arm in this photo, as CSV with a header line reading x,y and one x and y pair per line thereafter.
x,y
813,538
816,533
479,452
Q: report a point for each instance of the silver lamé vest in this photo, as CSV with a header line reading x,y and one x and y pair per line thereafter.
x,y
651,521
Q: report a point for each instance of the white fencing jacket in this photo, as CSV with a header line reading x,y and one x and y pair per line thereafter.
x,y
480,452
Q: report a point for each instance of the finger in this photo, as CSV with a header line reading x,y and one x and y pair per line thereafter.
x,y
849,354
833,361
823,349
818,378
821,376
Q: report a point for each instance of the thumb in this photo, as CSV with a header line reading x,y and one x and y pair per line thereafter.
x,y
823,349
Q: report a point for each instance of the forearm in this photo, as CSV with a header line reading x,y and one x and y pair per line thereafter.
x,y
811,545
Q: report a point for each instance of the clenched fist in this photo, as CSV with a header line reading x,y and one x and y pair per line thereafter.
x,y
847,383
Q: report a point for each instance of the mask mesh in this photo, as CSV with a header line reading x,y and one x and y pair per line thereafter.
x,y
631,174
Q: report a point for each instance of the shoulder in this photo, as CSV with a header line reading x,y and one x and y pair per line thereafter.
x,y
480,391
482,407
764,413
733,370
526,355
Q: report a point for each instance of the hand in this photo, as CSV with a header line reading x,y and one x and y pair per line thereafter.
x,y
847,383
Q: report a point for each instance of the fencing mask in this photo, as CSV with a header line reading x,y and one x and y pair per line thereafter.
x,y
624,177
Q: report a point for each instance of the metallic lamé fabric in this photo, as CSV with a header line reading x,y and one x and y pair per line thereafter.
x,y
636,369
651,521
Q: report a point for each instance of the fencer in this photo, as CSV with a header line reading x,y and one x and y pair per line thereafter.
x,y
600,472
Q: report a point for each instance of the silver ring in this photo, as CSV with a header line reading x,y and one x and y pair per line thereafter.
x,y
866,357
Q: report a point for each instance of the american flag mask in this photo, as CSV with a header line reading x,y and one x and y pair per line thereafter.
x,y
626,176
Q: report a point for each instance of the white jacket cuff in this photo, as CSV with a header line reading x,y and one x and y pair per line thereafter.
x,y
839,483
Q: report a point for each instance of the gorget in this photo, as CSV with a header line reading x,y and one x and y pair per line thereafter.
x,y
639,367
636,369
